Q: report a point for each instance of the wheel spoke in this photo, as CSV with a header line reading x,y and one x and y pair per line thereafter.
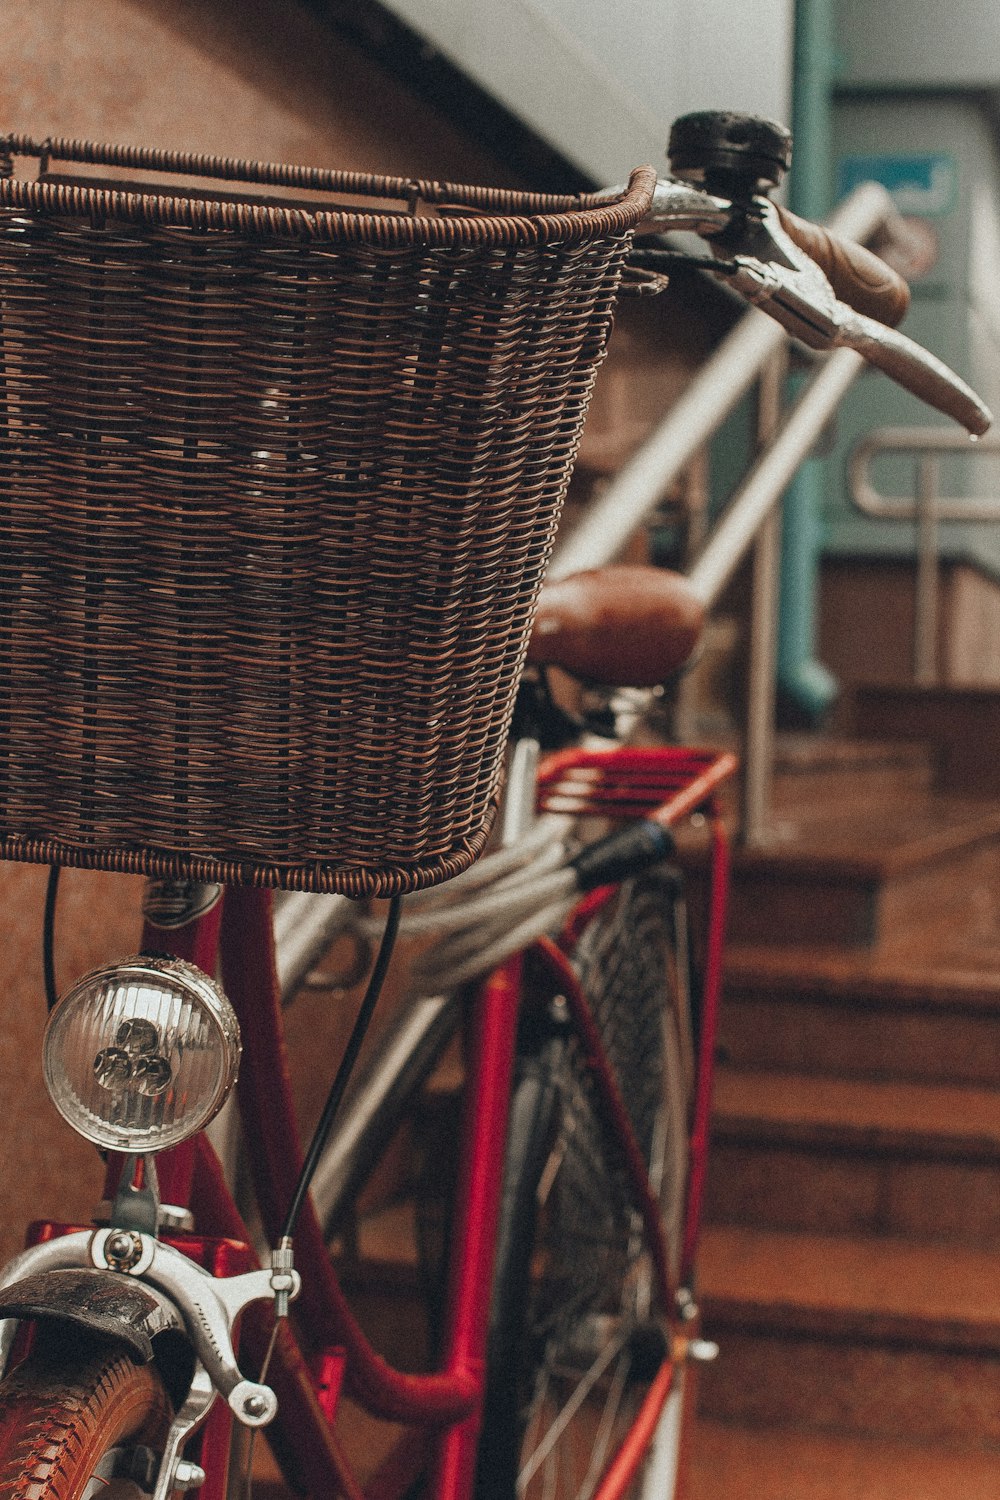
x,y
572,1406
580,1297
605,1431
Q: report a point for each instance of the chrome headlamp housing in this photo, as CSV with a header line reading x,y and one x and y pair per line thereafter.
x,y
142,1054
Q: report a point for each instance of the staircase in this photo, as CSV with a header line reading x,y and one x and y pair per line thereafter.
x,y
850,1264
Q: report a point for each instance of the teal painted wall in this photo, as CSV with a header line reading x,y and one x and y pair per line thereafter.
x,y
955,310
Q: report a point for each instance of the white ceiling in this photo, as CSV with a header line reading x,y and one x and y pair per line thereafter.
x,y
602,81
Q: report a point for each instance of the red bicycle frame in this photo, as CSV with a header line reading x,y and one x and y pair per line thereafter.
x,y
328,1353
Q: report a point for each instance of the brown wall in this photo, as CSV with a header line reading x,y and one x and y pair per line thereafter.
x,y
262,79
259,79
265,79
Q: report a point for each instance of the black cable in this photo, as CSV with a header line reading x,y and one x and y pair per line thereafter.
x,y
347,1062
657,259
48,938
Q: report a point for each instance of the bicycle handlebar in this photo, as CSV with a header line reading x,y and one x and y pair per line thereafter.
x,y
800,297
857,276
825,291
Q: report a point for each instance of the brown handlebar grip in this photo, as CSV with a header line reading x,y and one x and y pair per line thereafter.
x,y
858,277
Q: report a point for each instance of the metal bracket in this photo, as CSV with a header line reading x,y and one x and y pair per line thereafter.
x,y
137,1207
207,1306
677,205
195,1408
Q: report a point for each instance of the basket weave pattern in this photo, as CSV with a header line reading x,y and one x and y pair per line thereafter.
x,y
277,490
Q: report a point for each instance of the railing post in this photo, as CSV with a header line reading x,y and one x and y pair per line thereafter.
x,y
926,600
928,508
758,749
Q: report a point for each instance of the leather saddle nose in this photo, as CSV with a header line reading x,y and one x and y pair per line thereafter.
x,y
626,625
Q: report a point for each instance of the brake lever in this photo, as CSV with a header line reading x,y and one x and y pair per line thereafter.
x,y
767,268
792,289
761,262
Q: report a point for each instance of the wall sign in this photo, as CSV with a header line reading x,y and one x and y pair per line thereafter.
x,y
925,186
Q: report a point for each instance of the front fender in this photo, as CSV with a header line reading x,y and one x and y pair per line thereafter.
x,y
103,1302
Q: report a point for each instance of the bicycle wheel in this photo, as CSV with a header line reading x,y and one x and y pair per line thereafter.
x,y
575,1334
80,1419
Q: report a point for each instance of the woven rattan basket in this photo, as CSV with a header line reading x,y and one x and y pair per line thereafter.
x,y
281,455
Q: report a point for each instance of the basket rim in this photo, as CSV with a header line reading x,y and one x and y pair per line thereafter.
x,y
484,216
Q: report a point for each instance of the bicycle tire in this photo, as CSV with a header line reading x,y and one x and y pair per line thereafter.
x,y
575,1261
70,1407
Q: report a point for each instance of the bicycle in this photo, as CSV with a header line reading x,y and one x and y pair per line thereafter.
x,y
351,429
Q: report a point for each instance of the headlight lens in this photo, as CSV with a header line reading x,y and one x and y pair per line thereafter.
x,y
142,1054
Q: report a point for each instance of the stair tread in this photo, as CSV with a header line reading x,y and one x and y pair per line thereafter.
x,y
963,970
900,834
781,1464
878,1115
878,1287
796,754
385,1252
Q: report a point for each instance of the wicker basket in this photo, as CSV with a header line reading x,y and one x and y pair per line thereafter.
x,y
281,455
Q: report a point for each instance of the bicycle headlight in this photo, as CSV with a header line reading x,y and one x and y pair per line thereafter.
x,y
140,1055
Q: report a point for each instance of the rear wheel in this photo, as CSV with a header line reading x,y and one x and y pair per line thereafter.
x,y
80,1420
576,1332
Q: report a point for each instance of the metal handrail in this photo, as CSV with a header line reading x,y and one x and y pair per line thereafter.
x,y
752,518
927,507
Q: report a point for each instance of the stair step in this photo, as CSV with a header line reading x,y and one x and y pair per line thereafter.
x,y
850,1156
857,1335
382,1275
857,1114
961,724
728,1463
837,1284
890,1015
384,1252
811,769
860,877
